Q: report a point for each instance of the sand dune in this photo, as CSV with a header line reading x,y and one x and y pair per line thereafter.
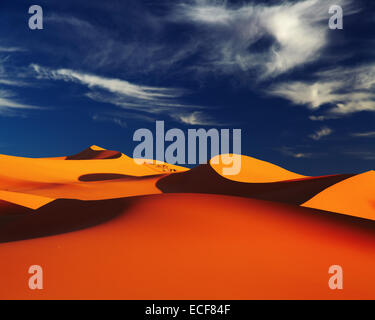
x,y
95,152
24,199
256,171
99,225
354,196
56,171
155,248
80,179
204,179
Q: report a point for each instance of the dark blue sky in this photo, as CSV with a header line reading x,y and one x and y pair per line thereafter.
x,y
303,94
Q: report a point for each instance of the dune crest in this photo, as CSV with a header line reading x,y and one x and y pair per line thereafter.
x,y
23,199
354,196
95,152
255,171
92,175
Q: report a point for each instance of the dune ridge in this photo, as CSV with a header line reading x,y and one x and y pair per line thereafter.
x,y
205,179
255,171
354,196
106,227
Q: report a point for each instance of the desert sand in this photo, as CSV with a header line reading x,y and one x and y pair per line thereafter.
x,y
354,196
104,227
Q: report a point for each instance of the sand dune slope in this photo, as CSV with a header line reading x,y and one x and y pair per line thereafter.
x,y
55,171
204,179
93,174
354,196
255,171
211,247
24,199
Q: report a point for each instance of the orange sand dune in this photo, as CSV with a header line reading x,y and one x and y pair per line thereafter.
x,y
94,190
24,199
58,171
204,179
255,171
78,179
354,196
211,247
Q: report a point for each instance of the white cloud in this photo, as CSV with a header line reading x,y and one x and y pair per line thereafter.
x,y
9,103
322,118
290,152
134,97
323,132
313,95
196,118
112,85
370,134
346,90
10,49
297,30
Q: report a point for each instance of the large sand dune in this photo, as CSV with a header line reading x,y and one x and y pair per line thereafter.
x,y
101,227
211,247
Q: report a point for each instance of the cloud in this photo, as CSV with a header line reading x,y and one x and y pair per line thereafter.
x,y
323,132
134,97
9,103
196,118
121,117
370,134
142,48
322,118
290,152
10,49
345,90
363,155
105,118
117,86
289,34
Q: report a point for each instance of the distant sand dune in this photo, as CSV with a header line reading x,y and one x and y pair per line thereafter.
x,y
354,196
255,171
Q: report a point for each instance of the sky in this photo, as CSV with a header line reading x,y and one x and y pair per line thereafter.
x,y
303,94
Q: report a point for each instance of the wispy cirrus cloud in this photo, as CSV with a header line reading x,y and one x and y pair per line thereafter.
x,y
129,96
291,152
345,90
4,49
370,134
9,103
321,133
196,118
289,34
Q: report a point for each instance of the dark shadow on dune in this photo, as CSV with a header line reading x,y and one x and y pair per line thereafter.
x,y
112,176
89,154
10,209
60,216
204,179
